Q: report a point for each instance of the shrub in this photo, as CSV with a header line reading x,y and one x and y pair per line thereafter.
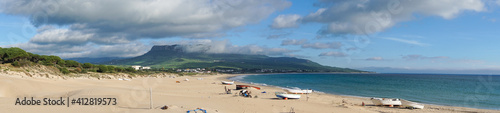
x,y
130,69
111,68
78,70
119,69
22,62
91,70
16,64
72,63
64,70
87,65
102,68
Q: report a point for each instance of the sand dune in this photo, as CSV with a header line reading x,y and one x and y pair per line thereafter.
x,y
208,93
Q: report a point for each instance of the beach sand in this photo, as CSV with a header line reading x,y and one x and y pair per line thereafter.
x,y
205,92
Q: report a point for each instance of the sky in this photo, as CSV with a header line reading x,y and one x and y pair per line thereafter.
x,y
387,36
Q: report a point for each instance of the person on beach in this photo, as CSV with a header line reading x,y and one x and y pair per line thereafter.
x,y
242,92
248,94
226,90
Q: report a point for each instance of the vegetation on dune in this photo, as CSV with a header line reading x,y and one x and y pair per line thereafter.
x,y
18,57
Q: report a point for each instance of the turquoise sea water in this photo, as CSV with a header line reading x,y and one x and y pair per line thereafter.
x,y
476,91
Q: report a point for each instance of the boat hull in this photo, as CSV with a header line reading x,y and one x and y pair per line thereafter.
x,y
238,87
386,101
227,83
289,96
411,104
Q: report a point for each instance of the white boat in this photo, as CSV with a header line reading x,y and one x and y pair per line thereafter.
x,y
412,105
227,83
287,96
386,101
297,91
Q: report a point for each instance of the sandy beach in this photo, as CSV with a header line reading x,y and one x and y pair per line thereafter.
x,y
201,91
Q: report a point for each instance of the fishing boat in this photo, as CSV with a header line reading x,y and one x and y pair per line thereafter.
x,y
412,105
238,87
227,83
386,101
297,91
287,96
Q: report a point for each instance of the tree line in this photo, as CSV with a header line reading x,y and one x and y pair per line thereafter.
x,y
18,57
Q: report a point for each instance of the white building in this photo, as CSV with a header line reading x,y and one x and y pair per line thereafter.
x,y
146,67
136,67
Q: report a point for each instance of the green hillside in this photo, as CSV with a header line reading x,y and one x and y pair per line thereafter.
x,y
173,56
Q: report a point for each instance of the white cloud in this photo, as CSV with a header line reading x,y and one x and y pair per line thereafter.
x,y
412,42
49,49
96,28
119,50
371,16
279,35
205,35
421,57
224,46
293,42
318,45
375,59
296,56
286,21
60,36
108,20
137,48
51,35
86,50
334,54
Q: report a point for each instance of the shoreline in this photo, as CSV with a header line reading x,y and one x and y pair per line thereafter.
x,y
427,105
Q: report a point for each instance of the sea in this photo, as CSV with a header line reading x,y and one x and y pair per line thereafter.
x,y
474,91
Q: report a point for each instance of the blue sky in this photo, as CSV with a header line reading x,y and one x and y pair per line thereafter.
x,y
424,36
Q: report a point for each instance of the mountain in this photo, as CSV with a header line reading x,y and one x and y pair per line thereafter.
x,y
176,56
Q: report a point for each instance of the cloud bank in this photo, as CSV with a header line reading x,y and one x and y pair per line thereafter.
x,y
286,21
135,19
137,48
293,42
88,28
224,46
360,17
